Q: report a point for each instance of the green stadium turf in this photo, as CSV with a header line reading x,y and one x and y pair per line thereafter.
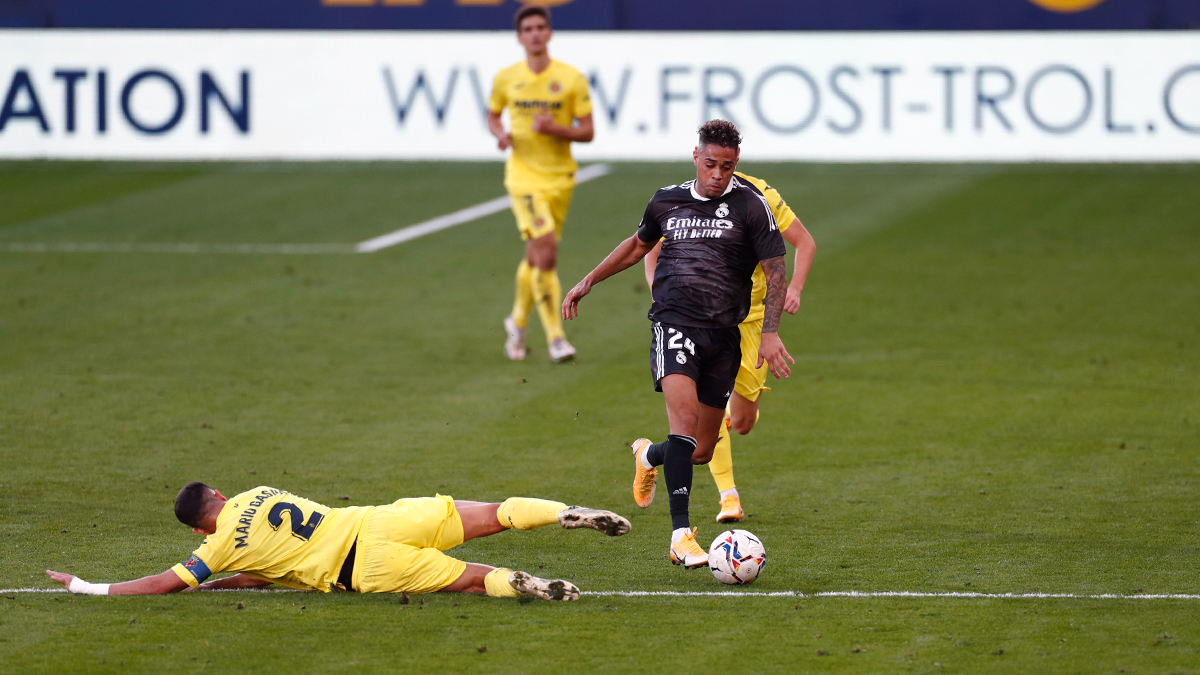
x,y
995,392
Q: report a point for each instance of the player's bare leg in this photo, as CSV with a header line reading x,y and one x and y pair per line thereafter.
x,y
478,519
743,413
542,254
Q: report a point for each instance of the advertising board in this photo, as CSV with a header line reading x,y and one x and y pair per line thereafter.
x,y
420,95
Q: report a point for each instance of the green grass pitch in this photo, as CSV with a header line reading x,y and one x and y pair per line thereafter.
x,y
996,390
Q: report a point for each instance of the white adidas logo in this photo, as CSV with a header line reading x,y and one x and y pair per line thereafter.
x,y
680,491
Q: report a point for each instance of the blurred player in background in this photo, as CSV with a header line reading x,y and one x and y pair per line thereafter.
x,y
548,107
717,230
271,536
742,412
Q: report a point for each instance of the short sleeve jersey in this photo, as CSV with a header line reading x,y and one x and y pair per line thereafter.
x,y
274,535
783,217
709,252
540,160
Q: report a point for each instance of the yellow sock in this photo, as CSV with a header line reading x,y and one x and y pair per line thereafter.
x,y
547,291
496,583
524,300
721,465
523,513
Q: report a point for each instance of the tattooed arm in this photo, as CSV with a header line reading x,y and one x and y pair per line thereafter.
x,y
772,350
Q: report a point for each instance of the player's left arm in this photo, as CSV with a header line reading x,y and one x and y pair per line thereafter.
x,y
771,349
581,132
579,102
651,262
806,250
158,584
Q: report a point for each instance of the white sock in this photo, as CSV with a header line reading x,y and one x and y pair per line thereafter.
x,y
731,491
678,534
642,458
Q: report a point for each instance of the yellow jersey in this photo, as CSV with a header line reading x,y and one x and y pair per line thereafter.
x,y
276,536
783,217
540,160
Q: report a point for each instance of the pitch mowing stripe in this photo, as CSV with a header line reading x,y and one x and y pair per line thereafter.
x,y
464,216
790,594
400,236
101,247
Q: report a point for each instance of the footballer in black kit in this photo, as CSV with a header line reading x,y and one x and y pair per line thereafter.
x,y
715,230
703,279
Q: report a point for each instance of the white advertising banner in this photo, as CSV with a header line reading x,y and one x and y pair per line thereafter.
x,y
422,95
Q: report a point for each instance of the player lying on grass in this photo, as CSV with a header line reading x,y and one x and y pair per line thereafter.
x,y
741,413
271,536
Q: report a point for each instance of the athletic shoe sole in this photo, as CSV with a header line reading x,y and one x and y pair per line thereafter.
x,y
602,521
546,589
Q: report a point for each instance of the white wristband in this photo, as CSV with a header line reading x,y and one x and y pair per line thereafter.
x,y
80,587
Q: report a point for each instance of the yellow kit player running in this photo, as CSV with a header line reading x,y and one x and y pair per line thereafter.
x,y
742,411
272,536
548,107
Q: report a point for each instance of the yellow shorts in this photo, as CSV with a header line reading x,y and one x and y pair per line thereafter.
x,y
540,211
750,380
400,547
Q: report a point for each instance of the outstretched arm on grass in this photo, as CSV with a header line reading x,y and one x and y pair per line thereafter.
x,y
159,584
624,256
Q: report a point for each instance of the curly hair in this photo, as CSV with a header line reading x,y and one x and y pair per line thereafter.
x,y
531,10
720,132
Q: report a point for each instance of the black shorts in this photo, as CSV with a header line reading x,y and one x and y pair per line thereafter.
x,y
710,356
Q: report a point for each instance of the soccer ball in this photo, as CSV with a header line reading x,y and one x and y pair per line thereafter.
x,y
736,557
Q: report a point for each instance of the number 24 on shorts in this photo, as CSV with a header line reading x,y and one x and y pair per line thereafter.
x,y
674,343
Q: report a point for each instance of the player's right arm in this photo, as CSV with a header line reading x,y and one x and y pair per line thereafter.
x,y
624,256
235,581
496,104
159,584
503,137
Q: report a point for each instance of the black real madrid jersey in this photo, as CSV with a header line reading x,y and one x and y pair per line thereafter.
x,y
710,249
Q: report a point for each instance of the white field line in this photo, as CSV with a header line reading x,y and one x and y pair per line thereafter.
x,y
464,216
894,594
369,246
101,247
794,594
